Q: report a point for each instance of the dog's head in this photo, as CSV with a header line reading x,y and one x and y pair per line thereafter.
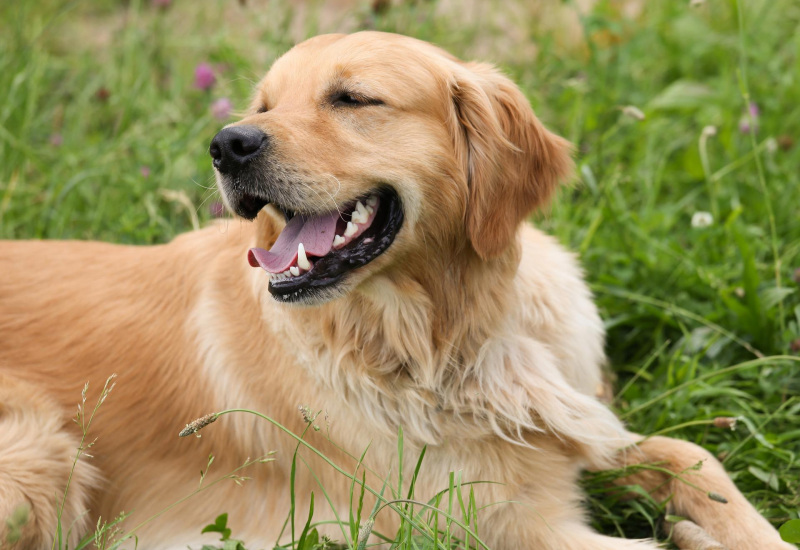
x,y
381,150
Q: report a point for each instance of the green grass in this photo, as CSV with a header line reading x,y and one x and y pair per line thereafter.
x,y
683,305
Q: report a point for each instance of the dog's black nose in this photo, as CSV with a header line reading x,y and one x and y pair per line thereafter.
x,y
232,148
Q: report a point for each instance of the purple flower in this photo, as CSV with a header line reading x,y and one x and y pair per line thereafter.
x,y
751,114
221,108
217,209
56,140
145,171
204,77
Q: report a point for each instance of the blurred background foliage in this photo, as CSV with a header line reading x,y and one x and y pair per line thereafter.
x,y
685,207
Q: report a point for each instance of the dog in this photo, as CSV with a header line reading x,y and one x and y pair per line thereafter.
x,y
388,278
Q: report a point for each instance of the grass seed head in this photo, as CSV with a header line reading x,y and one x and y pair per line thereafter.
x,y
633,112
716,497
306,413
197,425
364,533
725,422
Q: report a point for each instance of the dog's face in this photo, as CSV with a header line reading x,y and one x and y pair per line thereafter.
x,y
380,150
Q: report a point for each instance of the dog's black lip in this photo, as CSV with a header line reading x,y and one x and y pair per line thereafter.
x,y
248,205
332,268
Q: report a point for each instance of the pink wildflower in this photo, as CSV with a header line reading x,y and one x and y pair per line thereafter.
x,y
204,77
217,209
221,108
744,121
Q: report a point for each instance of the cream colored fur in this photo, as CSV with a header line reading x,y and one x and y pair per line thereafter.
x,y
473,331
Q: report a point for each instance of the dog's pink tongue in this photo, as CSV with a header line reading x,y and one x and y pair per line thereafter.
x,y
316,234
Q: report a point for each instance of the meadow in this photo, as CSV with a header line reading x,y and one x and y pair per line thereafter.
x,y
685,207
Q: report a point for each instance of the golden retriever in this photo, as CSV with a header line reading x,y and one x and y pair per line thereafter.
x,y
388,279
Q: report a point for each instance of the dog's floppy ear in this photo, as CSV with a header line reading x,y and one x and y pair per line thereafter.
x,y
513,162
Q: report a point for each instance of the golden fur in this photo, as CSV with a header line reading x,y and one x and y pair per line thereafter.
x,y
473,331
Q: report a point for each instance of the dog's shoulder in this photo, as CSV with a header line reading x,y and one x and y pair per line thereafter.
x,y
556,306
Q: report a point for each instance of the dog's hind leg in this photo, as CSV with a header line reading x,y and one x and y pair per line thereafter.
x,y
36,458
686,474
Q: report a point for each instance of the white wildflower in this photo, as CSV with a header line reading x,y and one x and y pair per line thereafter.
x,y
709,131
702,219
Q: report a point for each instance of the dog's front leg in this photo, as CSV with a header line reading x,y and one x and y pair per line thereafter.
x,y
693,473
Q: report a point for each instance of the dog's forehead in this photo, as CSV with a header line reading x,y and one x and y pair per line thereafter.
x,y
388,65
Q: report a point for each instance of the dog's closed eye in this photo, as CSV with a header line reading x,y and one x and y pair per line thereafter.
x,y
341,98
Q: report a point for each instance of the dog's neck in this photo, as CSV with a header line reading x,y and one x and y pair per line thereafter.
x,y
407,334
449,348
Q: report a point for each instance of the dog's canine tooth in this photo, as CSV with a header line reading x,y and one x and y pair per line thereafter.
x,y
302,259
351,229
294,270
338,241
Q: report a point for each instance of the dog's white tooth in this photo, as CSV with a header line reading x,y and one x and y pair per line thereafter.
x,y
351,229
294,270
338,241
359,217
302,259
370,210
360,207
372,201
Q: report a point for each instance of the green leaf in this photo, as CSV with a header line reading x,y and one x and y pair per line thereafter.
x,y
312,540
682,94
773,295
767,477
303,544
220,526
589,179
790,531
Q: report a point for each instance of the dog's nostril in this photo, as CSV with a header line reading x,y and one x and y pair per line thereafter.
x,y
215,151
243,147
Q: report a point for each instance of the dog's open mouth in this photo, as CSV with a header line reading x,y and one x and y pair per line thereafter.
x,y
314,252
